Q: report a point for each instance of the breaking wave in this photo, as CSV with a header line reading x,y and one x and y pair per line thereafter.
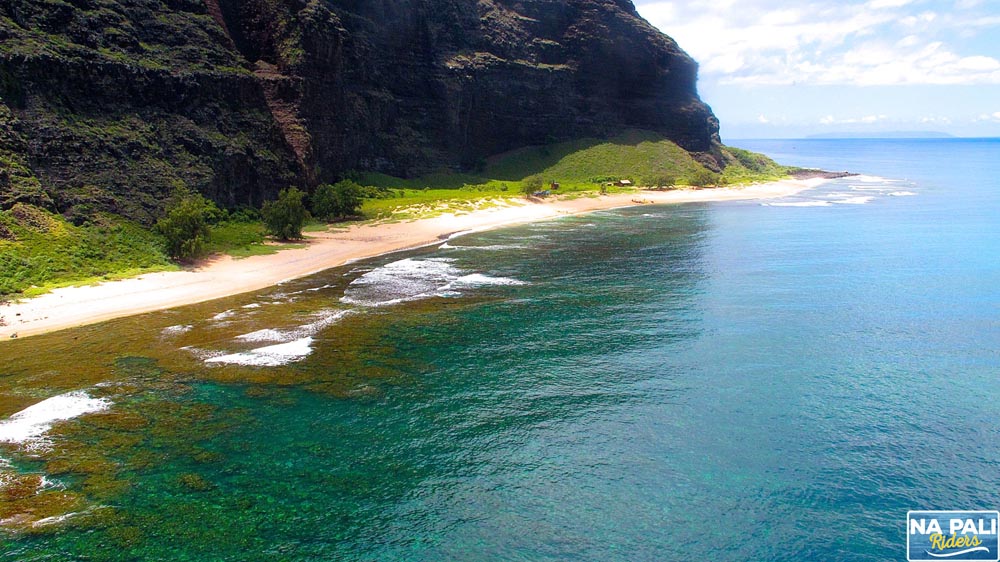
x,y
799,204
488,247
176,330
854,200
269,356
323,320
412,279
29,426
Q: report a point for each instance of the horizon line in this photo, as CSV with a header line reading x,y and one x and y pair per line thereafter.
x,y
820,138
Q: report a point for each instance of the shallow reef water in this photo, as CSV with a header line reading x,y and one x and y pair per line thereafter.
x,y
603,387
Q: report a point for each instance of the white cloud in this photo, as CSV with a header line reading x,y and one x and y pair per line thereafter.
x,y
880,4
781,17
978,64
826,42
876,64
919,19
762,119
727,63
995,116
991,21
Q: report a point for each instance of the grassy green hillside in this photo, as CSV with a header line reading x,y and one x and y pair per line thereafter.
x,y
38,249
640,156
645,158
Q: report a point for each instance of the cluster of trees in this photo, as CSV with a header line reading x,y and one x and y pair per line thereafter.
x,y
531,184
342,199
187,223
285,216
701,177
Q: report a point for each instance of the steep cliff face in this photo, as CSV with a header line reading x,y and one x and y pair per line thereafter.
x,y
108,104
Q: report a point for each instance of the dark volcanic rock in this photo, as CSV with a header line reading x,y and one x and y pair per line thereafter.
x,y
113,103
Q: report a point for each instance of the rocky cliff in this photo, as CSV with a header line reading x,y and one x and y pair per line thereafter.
x,y
109,104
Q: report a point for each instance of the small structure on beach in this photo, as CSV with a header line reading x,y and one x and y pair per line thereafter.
x,y
554,186
624,183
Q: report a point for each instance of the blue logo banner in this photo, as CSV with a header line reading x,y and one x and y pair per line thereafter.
x,y
952,535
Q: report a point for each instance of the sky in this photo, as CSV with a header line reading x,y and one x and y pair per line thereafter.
x,y
780,69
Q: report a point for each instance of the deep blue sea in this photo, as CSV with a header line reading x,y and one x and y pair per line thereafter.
x,y
761,380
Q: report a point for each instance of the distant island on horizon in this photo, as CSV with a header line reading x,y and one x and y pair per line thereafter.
x,y
883,135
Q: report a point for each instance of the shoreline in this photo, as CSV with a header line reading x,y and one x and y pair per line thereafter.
x,y
224,276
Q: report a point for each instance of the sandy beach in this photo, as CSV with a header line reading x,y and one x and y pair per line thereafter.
x,y
225,276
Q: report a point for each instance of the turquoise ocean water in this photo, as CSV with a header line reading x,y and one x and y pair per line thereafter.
x,y
733,381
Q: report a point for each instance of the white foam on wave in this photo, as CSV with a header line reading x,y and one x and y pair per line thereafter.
x,y
284,297
820,203
251,305
455,235
267,334
269,356
871,179
45,484
224,315
901,194
294,344
323,320
854,200
389,302
202,354
176,330
29,426
399,281
488,247
55,519
411,279
478,280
